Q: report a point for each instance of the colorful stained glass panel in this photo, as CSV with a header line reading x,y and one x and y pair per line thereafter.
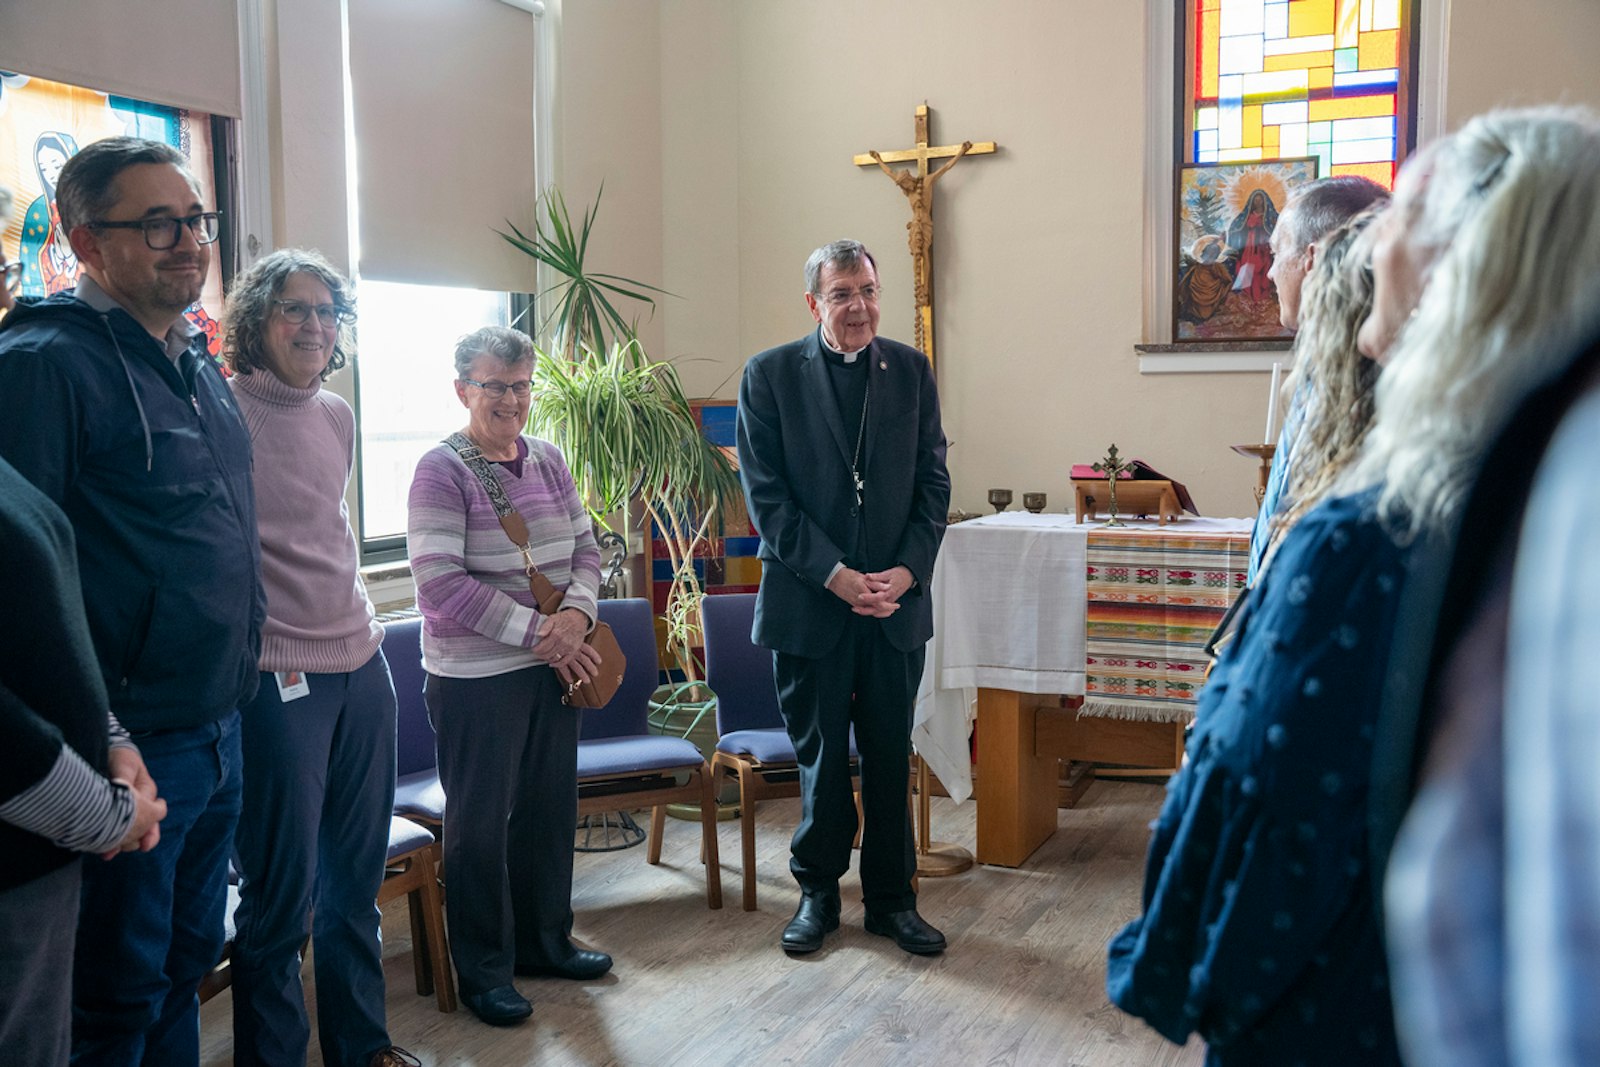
x,y
1277,79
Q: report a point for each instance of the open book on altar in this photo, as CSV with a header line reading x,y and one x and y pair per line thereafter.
x,y
1138,470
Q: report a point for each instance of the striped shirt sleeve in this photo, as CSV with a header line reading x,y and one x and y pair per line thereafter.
x,y
74,806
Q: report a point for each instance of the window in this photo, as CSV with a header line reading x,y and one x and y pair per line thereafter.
x,y
1280,79
404,399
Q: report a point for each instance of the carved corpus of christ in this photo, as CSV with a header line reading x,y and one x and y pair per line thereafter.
x,y
917,184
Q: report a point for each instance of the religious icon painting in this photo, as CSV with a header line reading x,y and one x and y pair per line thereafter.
x,y
1225,217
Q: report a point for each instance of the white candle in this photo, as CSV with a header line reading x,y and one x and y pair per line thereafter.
x,y
1272,402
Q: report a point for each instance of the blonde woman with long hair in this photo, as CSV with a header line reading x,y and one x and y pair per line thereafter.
x,y
1336,379
1492,261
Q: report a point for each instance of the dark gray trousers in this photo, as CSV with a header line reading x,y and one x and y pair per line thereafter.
x,y
508,761
864,682
38,926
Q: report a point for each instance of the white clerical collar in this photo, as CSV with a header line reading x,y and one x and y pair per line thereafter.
x,y
848,357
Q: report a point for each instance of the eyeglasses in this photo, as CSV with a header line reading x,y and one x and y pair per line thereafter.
x,y
843,297
162,234
295,312
498,389
13,276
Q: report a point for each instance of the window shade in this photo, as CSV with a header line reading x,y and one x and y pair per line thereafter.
x,y
184,53
443,97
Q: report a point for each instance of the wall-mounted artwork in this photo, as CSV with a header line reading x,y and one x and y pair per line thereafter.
x,y
1226,215
42,125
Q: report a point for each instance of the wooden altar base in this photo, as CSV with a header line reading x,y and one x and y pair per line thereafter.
x,y
1022,739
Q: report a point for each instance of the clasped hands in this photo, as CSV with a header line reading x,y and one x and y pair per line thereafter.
x,y
876,595
127,767
561,642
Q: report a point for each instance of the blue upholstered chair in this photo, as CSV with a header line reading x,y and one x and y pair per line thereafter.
x,y
753,746
417,792
621,763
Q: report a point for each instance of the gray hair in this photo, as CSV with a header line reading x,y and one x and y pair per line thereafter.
x,y
5,203
87,188
1506,212
843,256
250,302
1322,206
511,347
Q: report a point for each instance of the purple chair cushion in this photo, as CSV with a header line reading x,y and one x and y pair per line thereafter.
x,y
420,794
768,746
763,746
406,836
629,755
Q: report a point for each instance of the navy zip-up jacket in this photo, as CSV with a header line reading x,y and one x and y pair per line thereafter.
x,y
151,463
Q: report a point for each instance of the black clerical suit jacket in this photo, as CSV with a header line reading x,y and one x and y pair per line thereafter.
x,y
794,458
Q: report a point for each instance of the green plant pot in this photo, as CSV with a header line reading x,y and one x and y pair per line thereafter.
x,y
673,714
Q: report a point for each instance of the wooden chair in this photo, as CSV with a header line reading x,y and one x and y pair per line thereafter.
x,y
621,764
409,870
412,870
753,746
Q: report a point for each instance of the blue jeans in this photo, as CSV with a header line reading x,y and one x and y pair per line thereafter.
x,y
318,796
151,922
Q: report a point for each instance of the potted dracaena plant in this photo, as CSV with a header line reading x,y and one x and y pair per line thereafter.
x,y
626,428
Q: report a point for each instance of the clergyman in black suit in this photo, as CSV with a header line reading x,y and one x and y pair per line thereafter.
x,y
843,459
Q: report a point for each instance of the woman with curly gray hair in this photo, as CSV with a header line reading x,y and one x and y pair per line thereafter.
x,y
319,745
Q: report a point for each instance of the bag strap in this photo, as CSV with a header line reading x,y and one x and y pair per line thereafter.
x,y
511,520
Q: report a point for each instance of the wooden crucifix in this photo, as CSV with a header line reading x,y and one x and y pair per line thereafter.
x,y
917,184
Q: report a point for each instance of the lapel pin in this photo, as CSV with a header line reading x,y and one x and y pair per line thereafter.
x,y
883,365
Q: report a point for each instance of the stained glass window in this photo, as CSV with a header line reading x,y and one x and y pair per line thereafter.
x,y
1280,79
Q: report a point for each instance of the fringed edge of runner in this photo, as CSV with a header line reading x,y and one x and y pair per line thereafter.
x,y
1096,708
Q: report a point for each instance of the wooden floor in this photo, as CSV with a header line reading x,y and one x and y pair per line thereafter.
x,y
1022,982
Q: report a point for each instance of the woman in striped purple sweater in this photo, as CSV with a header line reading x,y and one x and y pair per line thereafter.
x,y
497,669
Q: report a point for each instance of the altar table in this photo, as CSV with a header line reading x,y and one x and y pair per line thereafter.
x,y
1029,609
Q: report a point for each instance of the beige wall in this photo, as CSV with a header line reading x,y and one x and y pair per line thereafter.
x,y
1532,52
754,109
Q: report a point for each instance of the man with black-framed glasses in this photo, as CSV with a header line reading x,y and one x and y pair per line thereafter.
x,y
112,406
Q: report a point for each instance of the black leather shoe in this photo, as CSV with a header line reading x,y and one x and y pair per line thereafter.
x,y
909,930
500,1006
817,916
582,966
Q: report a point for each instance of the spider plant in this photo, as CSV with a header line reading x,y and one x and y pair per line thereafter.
x,y
628,432
583,315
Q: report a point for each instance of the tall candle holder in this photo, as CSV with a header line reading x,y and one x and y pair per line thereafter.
x,y
1264,454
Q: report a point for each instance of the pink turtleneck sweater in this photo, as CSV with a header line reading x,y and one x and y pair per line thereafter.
x,y
319,618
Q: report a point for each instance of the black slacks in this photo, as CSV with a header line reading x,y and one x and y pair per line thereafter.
x,y
508,761
866,682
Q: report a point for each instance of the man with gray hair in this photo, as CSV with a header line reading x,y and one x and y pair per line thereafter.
x,y
111,405
841,451
1313,212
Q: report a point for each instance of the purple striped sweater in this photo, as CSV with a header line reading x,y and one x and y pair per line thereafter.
x,y
478,617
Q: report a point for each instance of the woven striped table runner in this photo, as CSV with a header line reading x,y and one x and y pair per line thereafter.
x,y
1153,598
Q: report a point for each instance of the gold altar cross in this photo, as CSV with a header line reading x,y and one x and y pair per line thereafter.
x,y
917,185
